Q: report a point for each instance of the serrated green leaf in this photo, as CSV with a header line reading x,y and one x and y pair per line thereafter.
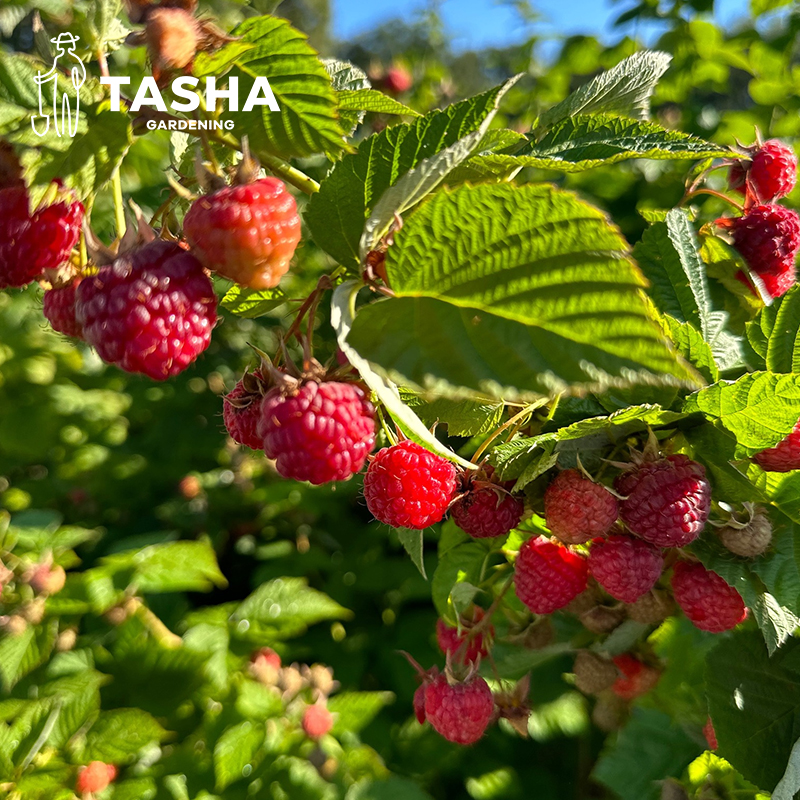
x,y
783,345
119,735
462,417
459,563
286,600
413,542
252,303
353,711
21,654
372,100
235,750
346,76
690,343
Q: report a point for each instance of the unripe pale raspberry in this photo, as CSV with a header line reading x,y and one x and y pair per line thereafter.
x,y
636,678
602,619
784,457
708,601
94,777
610,712
772,172
625,567
241,412
247,233
710,735
151,311
264,666
486,508
594,673
33,242
548,576
576,509
172,39
317,721
318,431
666,501
460,712
751,540
59,309
47,579
450,640
651,608
407,486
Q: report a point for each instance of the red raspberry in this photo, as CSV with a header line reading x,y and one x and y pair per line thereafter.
x,y
625,567
317,432
419,702
151,311
576,509
247,233
241,412
450,640
460,712
317,721
636,678
784,457
94,777
710,734
407,486
547,576
397,80
32,243
59,308
486,509
708,601
772,172
667,501
266,657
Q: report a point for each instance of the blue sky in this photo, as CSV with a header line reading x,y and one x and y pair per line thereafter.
x,y
477,23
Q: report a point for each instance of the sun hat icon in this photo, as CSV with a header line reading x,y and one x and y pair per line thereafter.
x,y
65,117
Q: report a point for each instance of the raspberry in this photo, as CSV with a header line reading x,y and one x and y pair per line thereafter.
x,y
247,233
772,172
317,721
172,38
94,777
610,712
450,640
784,457
59,308
548,576
625,567
651,608
667,501
151,311
32,243
407,486
317,432
707,600
602,619
46,579
768,238
397,80
264,665
460,712
751,540
576,509
636,678
486,509
241,411
593,672
419,703
710,734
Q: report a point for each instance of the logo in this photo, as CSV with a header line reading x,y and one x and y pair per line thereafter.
x,y
65,118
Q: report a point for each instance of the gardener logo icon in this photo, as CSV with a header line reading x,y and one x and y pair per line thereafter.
x,y
65,118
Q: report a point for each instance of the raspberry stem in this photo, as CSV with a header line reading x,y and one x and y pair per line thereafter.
x,y
529,409
714,193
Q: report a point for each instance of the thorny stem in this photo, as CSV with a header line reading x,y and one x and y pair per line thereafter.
x,y
529,409
714,193
102,63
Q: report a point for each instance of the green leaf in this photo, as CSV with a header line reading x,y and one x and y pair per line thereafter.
x,y
307,122
789,784
413,542
691,345
459,563
285,600
372,100
134,789
336,214
650,748
346,76
624,90
783,345
513,292
118,736
392,788
758,410
355,710
754,700
252,303
235,750
21,654
462,417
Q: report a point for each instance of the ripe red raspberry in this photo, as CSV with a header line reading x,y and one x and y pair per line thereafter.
x,y
784,457
772,172
768,238
547,576
247,233
708,601
486,508
666,501
625,567
636,678
317,431
576,509
419,702
33,242
450,640
407,486
751,540
241,412
94,777
59,309
460,712
317,721
151,311
397,80
710,734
